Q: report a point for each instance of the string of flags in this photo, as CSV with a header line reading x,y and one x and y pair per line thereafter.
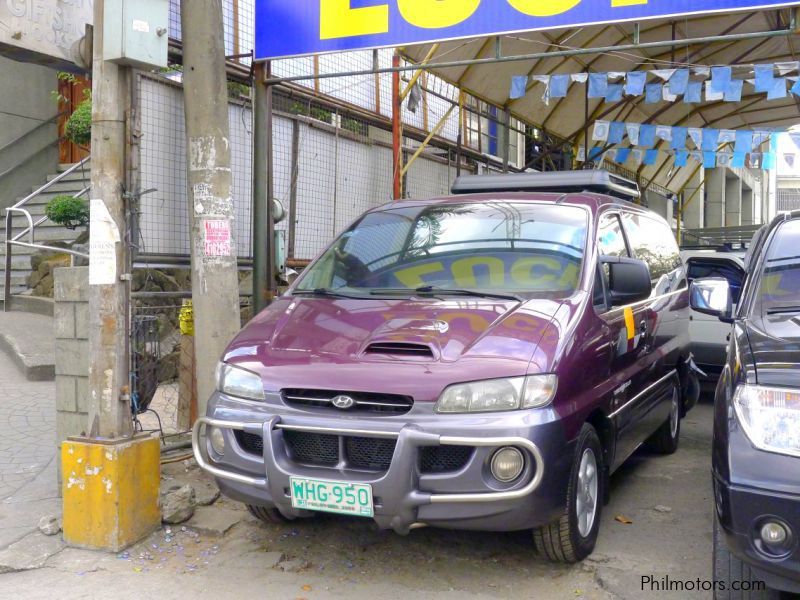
x,y
692,83
707,143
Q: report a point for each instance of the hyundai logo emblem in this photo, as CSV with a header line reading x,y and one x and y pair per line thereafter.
x,y
343,402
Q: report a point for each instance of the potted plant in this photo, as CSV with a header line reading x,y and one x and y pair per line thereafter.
x,y
69,211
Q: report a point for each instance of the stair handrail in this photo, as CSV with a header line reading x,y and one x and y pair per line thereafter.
x,y
10,241
16,141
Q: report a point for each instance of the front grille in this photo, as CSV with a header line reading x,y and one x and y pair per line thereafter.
x,y
394,404
374,454
312,448
369,453
250,442
444,459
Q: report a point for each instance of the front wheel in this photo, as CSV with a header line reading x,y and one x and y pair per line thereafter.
x,y
572,537
729,570
267,514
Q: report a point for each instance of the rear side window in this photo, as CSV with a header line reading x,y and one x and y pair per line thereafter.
x,y
653,242
699,268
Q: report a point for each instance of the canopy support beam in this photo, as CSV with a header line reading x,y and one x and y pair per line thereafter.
x,y
540,55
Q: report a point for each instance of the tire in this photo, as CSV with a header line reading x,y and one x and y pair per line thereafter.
x,y
728,568
667,437
567,540
267,514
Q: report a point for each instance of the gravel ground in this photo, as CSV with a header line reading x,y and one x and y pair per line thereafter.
x,y
657,524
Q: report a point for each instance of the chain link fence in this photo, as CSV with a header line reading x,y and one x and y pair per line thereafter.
x,y
331,163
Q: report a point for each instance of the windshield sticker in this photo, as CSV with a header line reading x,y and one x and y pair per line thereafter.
x,y
496,272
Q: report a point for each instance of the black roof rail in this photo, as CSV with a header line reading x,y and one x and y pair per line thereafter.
x,y
564,182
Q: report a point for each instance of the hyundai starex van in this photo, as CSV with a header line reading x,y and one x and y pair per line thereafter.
x,y
482,361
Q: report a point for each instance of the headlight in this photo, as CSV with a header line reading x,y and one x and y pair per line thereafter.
x,y
239,382
491,395
770,417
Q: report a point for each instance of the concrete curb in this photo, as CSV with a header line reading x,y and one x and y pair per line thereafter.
x,y
33,369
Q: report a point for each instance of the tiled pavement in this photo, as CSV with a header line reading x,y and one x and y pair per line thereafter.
x,y
27,451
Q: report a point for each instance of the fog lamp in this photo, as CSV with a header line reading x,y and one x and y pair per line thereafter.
x,y
507,464
217,440
773,533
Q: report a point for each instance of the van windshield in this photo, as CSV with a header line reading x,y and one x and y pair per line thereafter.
x,y
524,248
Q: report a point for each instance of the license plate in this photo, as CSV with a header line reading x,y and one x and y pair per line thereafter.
x,y
332,496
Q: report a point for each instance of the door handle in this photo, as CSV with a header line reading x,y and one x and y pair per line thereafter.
x,y
642,326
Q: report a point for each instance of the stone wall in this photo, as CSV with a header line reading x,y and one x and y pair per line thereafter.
x,y
71,323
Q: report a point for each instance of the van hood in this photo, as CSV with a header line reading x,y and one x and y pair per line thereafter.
x,y
413,347
775,347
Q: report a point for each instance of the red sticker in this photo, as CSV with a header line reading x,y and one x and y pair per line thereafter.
x,y
218,238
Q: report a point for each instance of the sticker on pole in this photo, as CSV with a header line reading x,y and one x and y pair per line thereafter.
x,y
217,241
103,239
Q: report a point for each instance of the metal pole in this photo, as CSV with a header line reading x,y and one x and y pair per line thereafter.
x,y
259,203
295,166
506,138
109,381
7,273
397,134
733,37
215,283
272,284
586,122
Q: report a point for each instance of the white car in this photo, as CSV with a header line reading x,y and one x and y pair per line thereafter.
x,y
709,335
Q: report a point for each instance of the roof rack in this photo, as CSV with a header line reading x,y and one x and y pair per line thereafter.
x,y
598,181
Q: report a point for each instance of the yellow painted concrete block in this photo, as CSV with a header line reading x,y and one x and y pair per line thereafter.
x,y
111,491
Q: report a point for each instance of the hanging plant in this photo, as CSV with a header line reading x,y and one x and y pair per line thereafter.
x,y
69,211
79,125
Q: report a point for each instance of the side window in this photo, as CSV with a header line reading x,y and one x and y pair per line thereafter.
x,y
610,240
709,267
653,242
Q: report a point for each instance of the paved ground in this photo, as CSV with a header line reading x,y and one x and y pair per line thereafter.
x,y
27,451
223,552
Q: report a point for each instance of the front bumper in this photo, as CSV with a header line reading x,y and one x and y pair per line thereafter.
x,y
404,497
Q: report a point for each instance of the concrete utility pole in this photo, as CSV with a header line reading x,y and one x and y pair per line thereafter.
x,y
116,503
215,283
109,392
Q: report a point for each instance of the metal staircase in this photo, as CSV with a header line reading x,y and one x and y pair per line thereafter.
x,y
28,230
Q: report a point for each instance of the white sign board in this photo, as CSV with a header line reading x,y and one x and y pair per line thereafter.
x,y
43,31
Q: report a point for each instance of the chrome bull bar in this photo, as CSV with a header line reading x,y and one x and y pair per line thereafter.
x,y
531,448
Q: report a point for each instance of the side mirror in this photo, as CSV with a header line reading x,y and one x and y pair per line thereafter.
x,y
628,279
712,296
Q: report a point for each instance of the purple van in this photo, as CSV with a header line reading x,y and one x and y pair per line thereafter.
x,y
481,361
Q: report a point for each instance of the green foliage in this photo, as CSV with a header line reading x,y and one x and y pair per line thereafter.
x,y
320,114
237,90
354,126
68,211
298,108
79,125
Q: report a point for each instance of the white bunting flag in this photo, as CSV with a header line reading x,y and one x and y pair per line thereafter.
x,y
600,133
697,136
664,132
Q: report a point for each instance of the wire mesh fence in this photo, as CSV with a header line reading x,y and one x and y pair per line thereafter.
x,y
332,161
162,358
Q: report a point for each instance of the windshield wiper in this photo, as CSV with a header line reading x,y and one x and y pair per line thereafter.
x,y
777,309
328,293
433,290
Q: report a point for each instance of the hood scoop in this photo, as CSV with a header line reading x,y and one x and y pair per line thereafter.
x,y
400,349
